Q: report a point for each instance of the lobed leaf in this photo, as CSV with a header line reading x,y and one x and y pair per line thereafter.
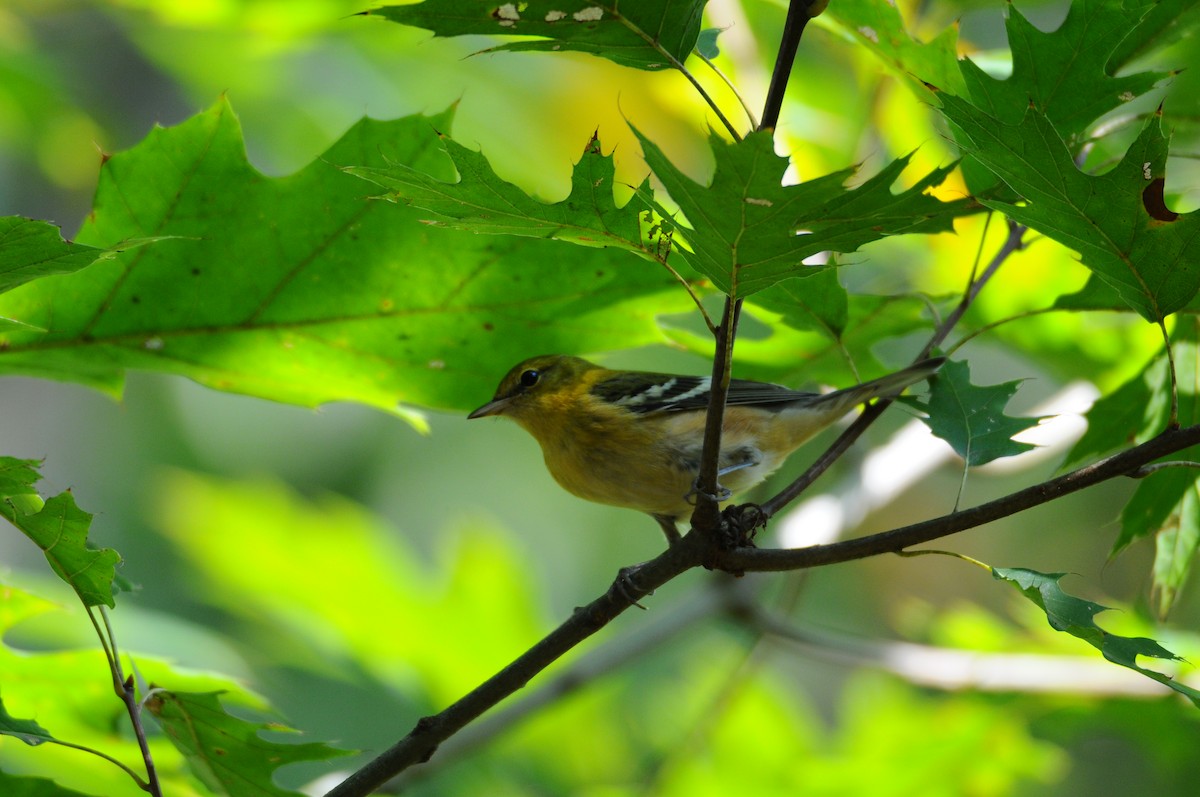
x,y
482,202
28,731
60,529
23,786
1067,75
748,231
971,417
647,34
301,289
1074,616
1116,221
227,753
31,249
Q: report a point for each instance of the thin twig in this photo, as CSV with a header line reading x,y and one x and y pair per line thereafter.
x,y
1125,463
429,732
128,694
1013,243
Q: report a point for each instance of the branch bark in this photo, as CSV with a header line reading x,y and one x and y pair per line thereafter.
x,y
1127,463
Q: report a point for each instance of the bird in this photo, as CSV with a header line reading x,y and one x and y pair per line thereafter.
x,y
633,438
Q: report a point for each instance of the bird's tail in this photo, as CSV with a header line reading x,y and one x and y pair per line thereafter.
x,y
841,401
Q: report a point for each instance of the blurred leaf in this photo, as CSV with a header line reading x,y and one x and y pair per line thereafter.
x,y
15,786
17,476
71,691
1067,75
1130,415
1148,254
300,289
818,302
879,28
748,231
648,34
27,731
804,349
229,754
1166,502
971,417
60,529
706,43
250,544
1175,547
481,202
1074,616
30,249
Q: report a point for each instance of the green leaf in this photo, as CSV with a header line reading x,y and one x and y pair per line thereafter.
x,y
648,34
31,249
879,28
301,289
1165,503
971,417
1176,545
1066,75
17,476
229,754
1116,221
27,731
1074,616
806,348
748,231
16,786
706,43
60,529
481,202
817,302
1130,415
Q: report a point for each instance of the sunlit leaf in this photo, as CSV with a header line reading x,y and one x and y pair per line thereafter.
x,y
747,231
27,731
482,202
971,418
30,249
879,28
16,786
1116,221
1074,616
60,529
301,289
647,34
1066,75
227,753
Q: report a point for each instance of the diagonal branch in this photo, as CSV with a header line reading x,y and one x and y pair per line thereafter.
x,y
1127,463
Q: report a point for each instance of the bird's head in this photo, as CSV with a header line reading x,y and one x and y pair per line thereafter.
x,y
536,386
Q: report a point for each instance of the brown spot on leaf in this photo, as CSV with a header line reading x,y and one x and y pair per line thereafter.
x,y
488,326
1155,204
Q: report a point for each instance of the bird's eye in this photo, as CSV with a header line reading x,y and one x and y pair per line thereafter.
x,y
530,378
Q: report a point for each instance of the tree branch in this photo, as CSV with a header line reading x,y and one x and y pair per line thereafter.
x,y
422,742
1126,463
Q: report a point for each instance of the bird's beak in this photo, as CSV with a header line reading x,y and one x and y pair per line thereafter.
x,y
493,407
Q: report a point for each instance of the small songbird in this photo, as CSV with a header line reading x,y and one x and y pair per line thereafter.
x,y
633,439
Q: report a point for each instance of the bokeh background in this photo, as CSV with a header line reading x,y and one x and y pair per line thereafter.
x,y
359,574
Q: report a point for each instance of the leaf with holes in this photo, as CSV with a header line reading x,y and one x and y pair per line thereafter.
x,y
1067,75
1074,616
227,753
1117,221
647,34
